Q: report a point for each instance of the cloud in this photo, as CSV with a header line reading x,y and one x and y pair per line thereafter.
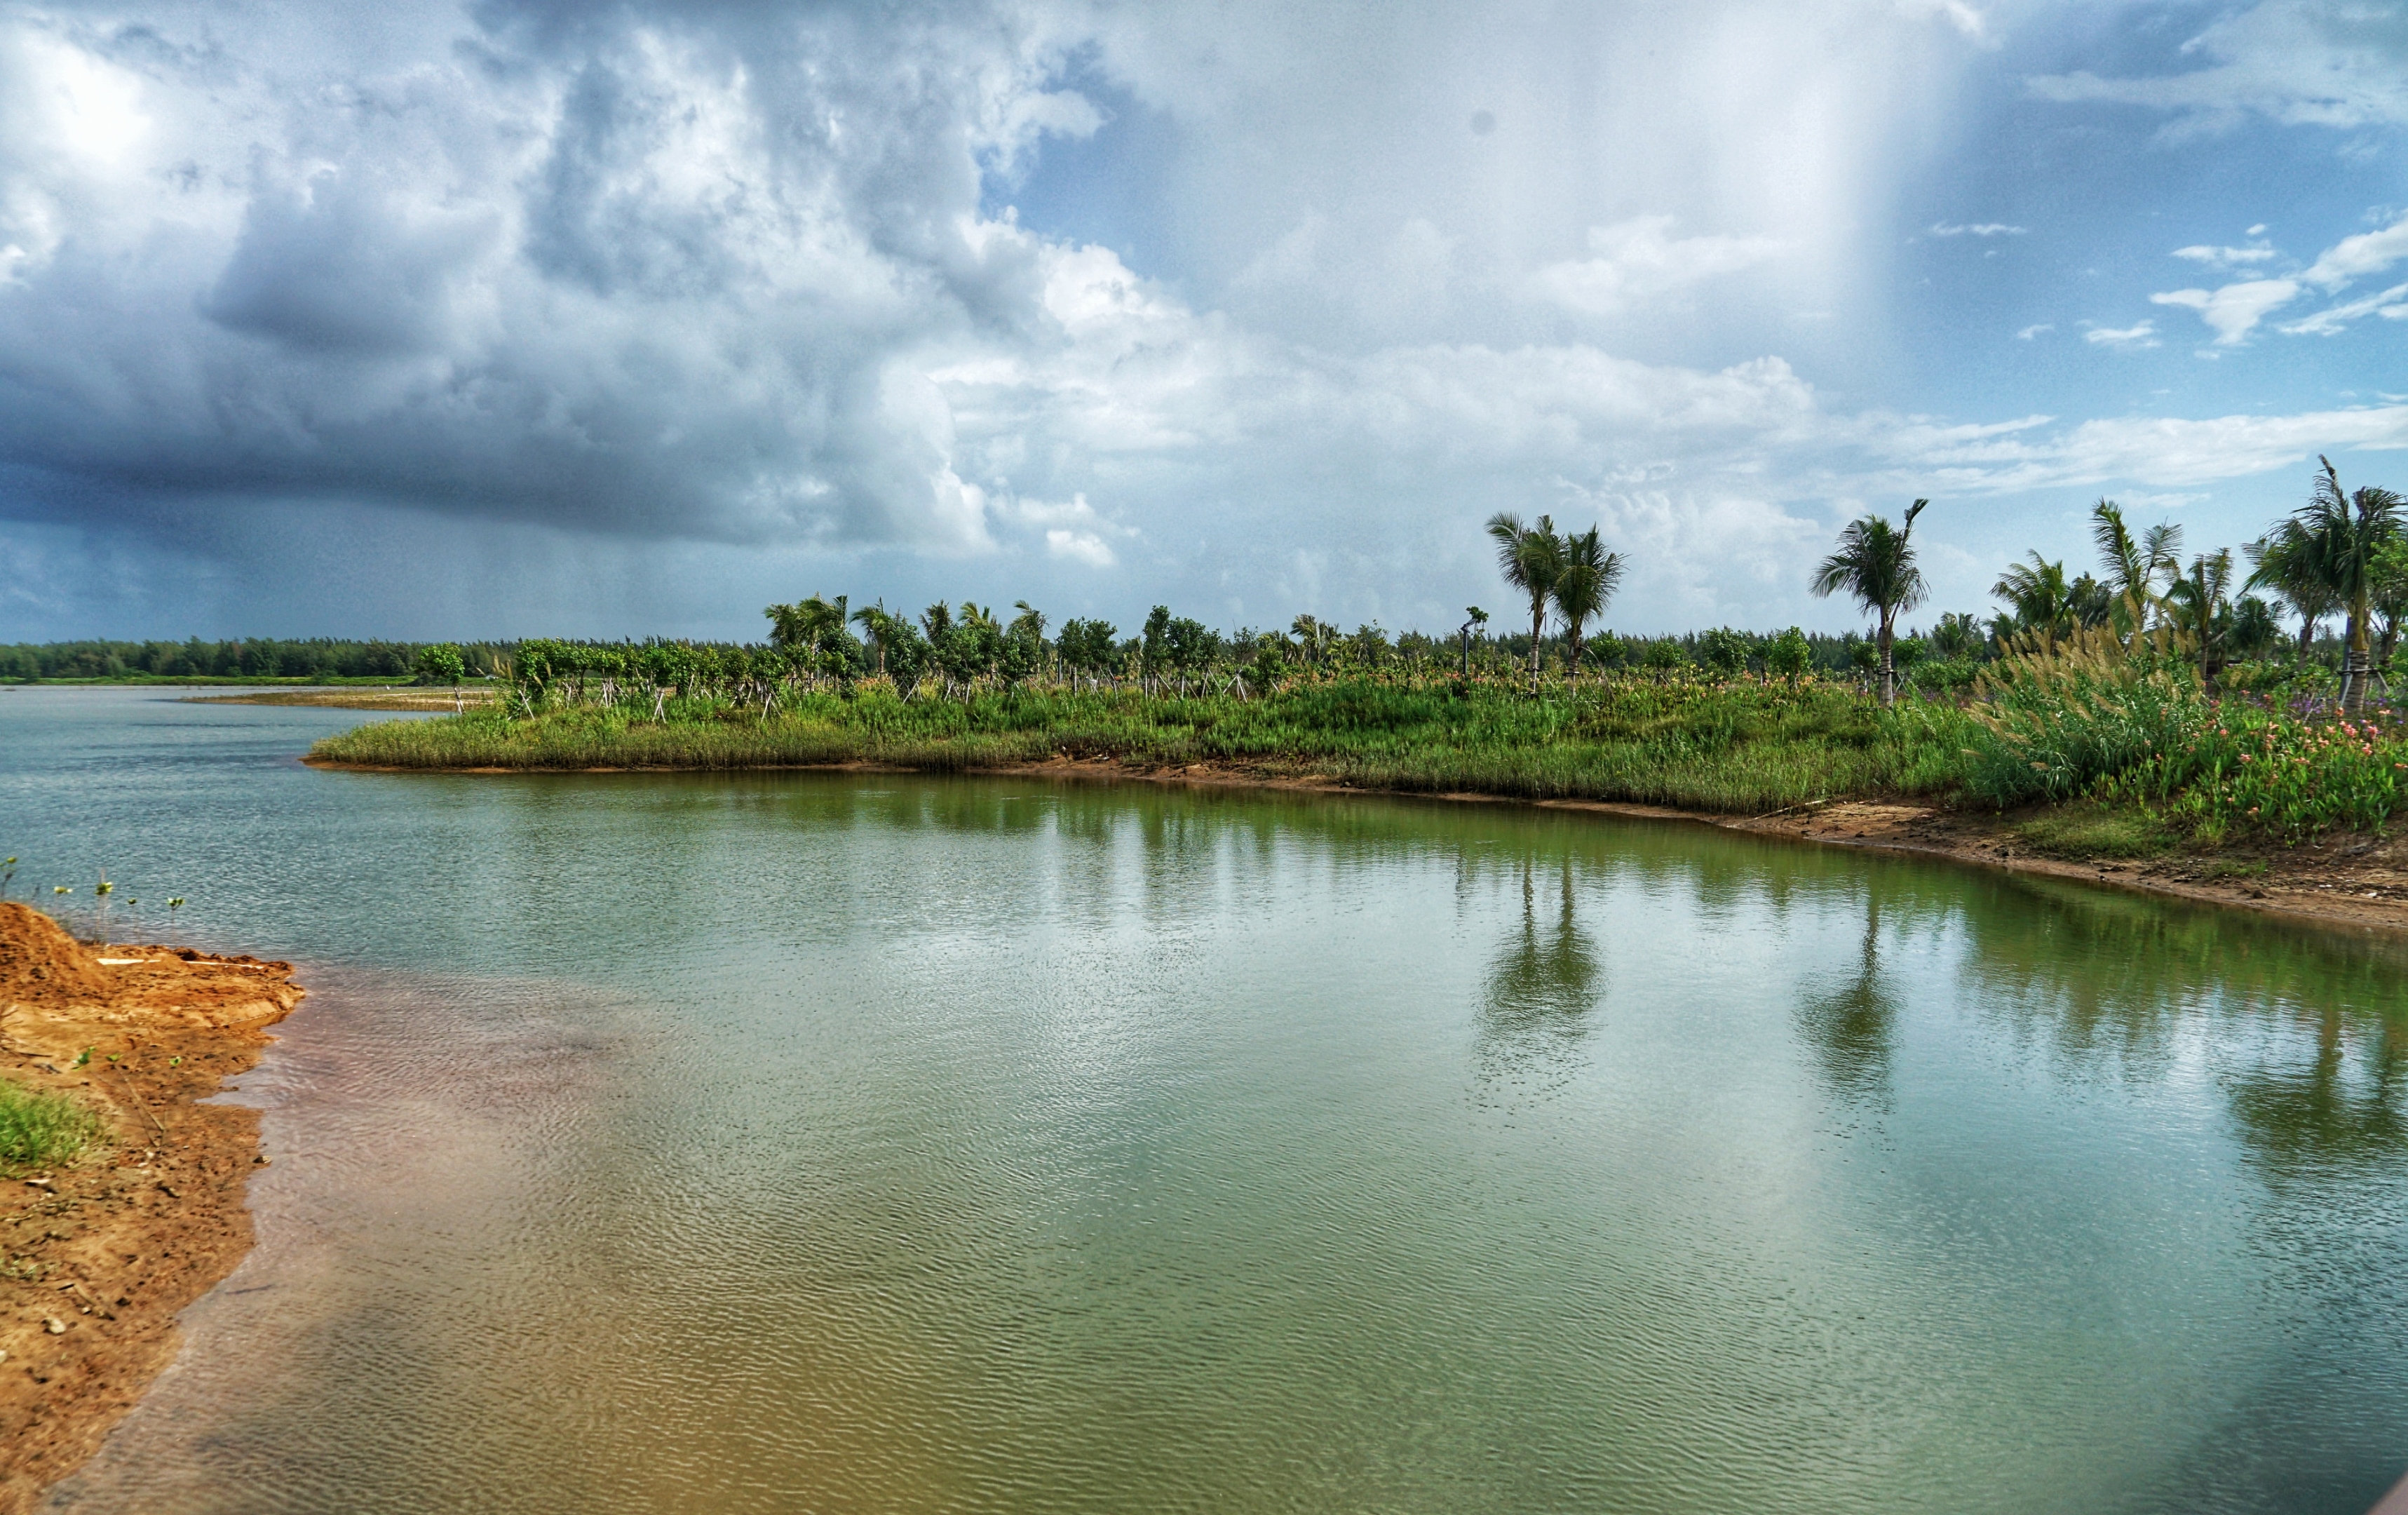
x,y
2225,257
1117,304
2235,310
1637,260
2124,338
2392,304
2160,451
2321,63
2354,257
2029,332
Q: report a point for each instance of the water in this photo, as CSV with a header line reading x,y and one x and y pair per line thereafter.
x,y
811,1143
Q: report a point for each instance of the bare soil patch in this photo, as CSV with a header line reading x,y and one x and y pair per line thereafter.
x,y
98,1259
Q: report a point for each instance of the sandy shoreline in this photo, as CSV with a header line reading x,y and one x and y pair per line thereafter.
x,y
102,1255
2355,884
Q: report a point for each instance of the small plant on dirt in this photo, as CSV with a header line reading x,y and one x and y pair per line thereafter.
x,y
42,1130
83,1058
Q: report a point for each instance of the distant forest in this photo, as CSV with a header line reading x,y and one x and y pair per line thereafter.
x,y
274,660
250,658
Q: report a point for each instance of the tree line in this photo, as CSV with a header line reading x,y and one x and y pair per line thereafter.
x,y
249,657
2341,553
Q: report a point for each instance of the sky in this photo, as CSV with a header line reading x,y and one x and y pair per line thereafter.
x,y
519,318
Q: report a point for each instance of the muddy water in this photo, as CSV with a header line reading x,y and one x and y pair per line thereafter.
x,y
795,1142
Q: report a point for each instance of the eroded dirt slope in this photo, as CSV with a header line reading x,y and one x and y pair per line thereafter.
x,y
96,1259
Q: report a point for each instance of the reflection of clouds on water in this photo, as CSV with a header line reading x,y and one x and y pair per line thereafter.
x,y
1541,985
1850,1025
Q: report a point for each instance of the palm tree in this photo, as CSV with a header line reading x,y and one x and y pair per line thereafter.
x,y
874,620
2038,595
1028,628
2283,561
2128,572
1584,584
1530,557
2346,535
2196,603
2161,546
1876,565
2254,627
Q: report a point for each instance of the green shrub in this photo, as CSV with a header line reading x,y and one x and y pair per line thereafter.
x,y
41,1128
2255,769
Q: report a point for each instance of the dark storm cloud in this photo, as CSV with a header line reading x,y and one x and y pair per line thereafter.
x,y
630,272
660,311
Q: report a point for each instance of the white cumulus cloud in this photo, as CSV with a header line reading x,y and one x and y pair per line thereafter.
x,y
1639,260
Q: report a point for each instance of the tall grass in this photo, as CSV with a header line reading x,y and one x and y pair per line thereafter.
x,y
2096,716
41,1128
1740,748
2055,718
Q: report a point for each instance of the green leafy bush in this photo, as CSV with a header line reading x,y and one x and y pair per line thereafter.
x,y
2255,769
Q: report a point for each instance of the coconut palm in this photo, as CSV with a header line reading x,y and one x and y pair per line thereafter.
x,y
2161,547
2038,595
1875,566
879,626
1530,557
2196,603
2128,572
1585,585
2255,629
2344,536
2283,561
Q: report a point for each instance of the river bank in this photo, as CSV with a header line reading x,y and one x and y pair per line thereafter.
x,y
103,1253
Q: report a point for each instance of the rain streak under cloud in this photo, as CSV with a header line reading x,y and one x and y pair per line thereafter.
x,y
502,318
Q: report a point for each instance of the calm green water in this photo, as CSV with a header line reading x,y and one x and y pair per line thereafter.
x,y
803,1143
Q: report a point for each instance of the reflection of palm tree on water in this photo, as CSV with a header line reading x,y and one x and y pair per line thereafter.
x,y
2321,1117
1849,1028
1541,986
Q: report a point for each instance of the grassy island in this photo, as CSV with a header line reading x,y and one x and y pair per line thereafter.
x,y
2140,712
1738,748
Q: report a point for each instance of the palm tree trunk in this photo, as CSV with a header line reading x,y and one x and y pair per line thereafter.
x,y
1888,672
2357,668
1538,624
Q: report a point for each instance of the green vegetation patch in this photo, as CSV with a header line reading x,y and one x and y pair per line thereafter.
x,y
41,1128
2091,831
1736,748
